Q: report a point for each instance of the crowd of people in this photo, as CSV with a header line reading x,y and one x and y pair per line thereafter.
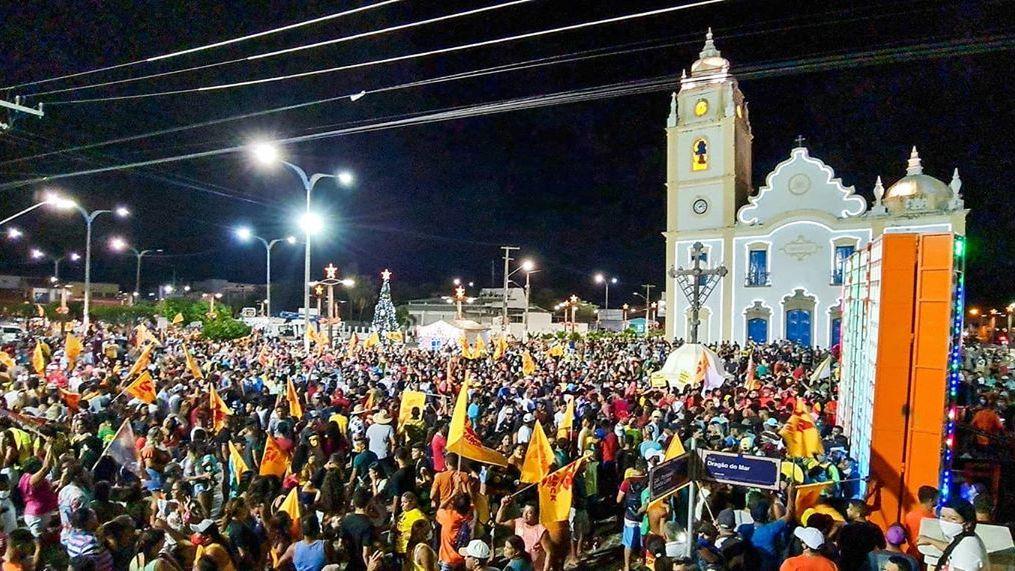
x,y
256,454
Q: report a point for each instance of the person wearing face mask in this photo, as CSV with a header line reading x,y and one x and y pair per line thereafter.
x,y
963,550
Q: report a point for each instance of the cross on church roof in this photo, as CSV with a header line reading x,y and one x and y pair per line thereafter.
x,y
800,140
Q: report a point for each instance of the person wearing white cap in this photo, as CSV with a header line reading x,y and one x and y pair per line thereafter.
x,y
524,433
476,554
811,559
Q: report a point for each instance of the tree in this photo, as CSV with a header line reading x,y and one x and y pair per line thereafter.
x,y
384,312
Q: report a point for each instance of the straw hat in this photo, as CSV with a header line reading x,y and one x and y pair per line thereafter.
x,y
382,417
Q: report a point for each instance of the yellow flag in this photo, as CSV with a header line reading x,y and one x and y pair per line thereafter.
x,y
395,336
274,462
39,359
192,364
237,465
555,494
72,347
528,365
676,448
372,341
538,457
462,440
499,348
556,351
351,347
410,400
801,435
342,421
6,360
295,408
178,319
291,506
467,350
567,422
143,388
219,410
480,349
143,360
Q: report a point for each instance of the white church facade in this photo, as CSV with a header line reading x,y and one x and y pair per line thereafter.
x,y
784,245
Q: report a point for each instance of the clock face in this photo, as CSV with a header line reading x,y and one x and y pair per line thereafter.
x,y
700,206
701,107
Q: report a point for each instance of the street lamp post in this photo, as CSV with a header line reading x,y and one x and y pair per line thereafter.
x,y
528,266
267,153
246,234
26,211
601,279
67,204
119,244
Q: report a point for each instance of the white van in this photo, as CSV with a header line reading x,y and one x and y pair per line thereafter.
x,y
10,332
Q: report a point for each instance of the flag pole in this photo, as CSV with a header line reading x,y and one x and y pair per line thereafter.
x,y
690,509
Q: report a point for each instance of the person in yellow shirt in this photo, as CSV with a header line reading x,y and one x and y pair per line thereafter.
x,y
409,516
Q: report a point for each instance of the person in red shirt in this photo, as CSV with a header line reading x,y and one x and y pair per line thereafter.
x,y
987,421
811,560
927,495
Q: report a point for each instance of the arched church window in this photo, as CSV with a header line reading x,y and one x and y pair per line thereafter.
x,y
699,159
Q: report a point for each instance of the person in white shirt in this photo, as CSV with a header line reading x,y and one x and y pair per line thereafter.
x,y
525,430
963,550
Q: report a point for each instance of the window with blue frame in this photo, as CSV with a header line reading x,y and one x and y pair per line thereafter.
x,y
757,268
841,253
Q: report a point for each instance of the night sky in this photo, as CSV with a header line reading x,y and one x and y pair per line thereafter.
x,y
578,186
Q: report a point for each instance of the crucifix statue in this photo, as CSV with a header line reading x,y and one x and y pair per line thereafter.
x,y
697,283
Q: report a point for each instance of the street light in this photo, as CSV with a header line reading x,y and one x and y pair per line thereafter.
x,y
245,235
68,204
14,233
37,254
601,279
268,154
530,268
119,245
50,199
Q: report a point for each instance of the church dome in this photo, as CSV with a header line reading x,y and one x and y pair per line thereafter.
x,y
917,191
710,60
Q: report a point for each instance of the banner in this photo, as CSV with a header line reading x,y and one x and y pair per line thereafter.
x,y
556,493
410,400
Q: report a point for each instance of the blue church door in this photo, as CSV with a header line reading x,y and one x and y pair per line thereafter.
x,y
798,326
757,330
836,332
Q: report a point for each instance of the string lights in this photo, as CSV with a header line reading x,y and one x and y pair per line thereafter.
x,y
954,364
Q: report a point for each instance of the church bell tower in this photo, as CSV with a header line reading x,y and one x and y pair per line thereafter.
x,y
708,160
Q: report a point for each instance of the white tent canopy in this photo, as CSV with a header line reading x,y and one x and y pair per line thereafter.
x,y
443,333
693,363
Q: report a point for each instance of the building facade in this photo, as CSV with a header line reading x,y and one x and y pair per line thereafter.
x,y
784,245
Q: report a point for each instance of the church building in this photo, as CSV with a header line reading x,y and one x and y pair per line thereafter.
x,y
783,244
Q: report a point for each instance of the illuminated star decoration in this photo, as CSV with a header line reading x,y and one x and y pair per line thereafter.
x,y
329,271
460,292
386,275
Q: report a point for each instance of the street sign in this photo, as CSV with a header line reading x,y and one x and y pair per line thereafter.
x,y
669,476
740,470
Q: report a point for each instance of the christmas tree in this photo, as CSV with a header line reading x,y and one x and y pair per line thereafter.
x,y
384,311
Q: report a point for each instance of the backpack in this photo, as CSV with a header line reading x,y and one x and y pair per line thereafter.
x,y
632,500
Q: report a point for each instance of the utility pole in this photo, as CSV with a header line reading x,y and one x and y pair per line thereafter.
x,y
696,289
648,305
507,270
17,107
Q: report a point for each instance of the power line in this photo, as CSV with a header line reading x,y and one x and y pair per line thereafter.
x,y
279,52
660,83
207,46
621,49
233,85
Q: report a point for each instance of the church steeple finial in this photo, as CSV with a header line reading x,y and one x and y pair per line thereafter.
x,y
709,50
956,183
671,121
879,193
914,166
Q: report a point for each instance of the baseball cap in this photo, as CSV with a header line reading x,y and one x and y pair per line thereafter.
x,y
528,417
203,526
727,519
476,548
810,537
